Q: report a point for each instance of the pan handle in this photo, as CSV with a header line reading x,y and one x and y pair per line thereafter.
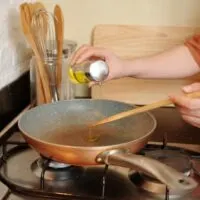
x,y
167,175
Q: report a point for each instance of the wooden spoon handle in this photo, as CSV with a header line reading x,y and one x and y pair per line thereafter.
x,y
59,26
40,99
26,25
145,108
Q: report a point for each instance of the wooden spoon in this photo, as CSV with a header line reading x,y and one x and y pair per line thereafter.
x,y
59,28
26,11
40,99
145,108
26,23
38,5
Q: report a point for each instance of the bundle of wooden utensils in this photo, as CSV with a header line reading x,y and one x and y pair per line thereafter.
x,y
44,31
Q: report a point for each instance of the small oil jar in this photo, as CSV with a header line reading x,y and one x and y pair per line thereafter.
x,y
89,71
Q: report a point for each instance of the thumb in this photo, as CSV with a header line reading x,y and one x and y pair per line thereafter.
x,y
191,88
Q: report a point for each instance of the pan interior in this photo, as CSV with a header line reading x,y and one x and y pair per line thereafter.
x,y
66,123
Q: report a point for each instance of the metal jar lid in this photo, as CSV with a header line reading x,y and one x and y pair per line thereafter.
x,y
99,70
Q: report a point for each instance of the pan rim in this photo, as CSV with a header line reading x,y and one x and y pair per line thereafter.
x,y
27,135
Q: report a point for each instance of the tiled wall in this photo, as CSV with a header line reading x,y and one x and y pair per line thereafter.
x,y
14,54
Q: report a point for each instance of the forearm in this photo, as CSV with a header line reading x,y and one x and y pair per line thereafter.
x,y
175,63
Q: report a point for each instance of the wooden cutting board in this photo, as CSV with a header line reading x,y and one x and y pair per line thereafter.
x,y
131,41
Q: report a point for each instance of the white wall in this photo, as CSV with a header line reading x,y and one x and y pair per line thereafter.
x,y
13,50
82,15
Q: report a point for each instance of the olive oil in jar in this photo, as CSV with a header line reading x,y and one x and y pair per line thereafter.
x,y
89,71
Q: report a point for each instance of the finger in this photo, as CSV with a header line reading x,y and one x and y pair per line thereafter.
x,y
78,53
186,102
195,121
186,111
92,52
192,88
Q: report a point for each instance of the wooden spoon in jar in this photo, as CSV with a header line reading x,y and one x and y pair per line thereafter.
x,y
25,16
59,28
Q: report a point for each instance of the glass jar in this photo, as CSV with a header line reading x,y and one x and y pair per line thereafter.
x,y
65,90
67,87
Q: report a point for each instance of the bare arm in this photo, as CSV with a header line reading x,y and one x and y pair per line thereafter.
x,y
175,63
179,62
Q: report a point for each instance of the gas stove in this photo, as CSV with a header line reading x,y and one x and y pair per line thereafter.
x,y
28,175
24,174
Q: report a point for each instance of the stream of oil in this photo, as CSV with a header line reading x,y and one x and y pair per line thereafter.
x,y
91,136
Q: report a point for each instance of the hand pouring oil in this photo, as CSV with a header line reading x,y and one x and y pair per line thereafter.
x,y
86,72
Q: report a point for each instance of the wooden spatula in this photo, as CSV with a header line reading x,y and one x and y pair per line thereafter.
x,y
145,108
59,27
33,7
26,23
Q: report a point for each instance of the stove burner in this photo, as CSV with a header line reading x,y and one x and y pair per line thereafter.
x,y
55,171
42,162
172,158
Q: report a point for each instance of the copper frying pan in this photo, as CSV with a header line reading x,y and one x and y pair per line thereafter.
x,y
58,131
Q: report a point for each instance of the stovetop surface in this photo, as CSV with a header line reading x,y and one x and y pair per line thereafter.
x,y
18,174
88,183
